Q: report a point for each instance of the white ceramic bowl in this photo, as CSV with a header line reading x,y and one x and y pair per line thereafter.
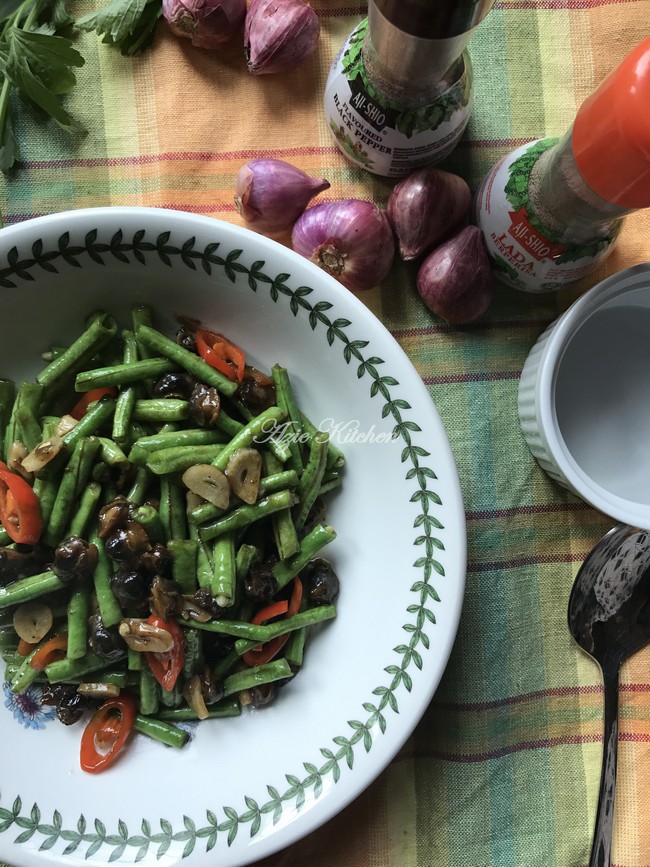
x,y
584,397
248,786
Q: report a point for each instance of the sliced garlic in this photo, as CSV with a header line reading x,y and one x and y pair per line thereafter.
x,y
42,454
208,482
65,425
99,690
243,472
32,621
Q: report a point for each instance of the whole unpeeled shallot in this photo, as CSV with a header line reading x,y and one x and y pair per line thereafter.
x,y
351,239
425,207
206,23
455,280
272,194
279,35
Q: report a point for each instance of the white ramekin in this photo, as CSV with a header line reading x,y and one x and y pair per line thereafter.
x,y
584,406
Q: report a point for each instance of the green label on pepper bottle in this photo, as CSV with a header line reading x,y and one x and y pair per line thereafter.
x,y
525,254
383,137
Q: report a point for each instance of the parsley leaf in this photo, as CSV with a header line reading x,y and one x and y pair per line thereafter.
x,y
38,62
39,65
127,24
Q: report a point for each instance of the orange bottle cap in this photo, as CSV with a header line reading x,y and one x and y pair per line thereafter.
x,y
611,133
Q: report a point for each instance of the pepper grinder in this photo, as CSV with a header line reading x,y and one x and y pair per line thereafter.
x,y
399,93
552,210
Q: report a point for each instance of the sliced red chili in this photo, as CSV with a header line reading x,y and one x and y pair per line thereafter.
x,y
80,408
20,510
107,732
275,609
24,647
166,667
269,650
51,651
296,597
221,353
265,652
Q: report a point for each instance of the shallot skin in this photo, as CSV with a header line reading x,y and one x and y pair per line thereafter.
x,y
425,207
279,35
350,239
206,23
455,281
271,194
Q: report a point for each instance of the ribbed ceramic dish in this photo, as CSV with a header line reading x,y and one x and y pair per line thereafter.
x,y
584,397
245,787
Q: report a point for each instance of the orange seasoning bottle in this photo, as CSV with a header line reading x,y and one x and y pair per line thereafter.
x,y
551,210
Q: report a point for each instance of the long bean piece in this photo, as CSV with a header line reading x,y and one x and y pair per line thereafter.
x,y
64,670
95,337
264,633
144,446
31,433
277,670
285,570
226,708
109,607
268,485
179,458
98,413
142,314
287,401
260,427
161,731
138,491
284,529
85,510
160,410
184,555
78,610
26,589
224,577
126,399
245,515
335,457
122,374
157,342
73,483
172,509
311,479
29,394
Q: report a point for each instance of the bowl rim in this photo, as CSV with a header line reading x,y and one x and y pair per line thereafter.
x,y
559,337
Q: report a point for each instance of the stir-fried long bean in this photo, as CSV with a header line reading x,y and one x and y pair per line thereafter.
x,y
160,549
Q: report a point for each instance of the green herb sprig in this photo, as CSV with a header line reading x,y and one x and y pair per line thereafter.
x,y
37,62
129,25
37,56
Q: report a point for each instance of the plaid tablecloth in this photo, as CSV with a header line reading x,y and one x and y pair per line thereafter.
x,y
503,769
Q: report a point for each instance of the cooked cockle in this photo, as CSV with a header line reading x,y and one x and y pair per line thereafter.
x,y
127,543
256,391
260,583
175,385
74,557
131,587
112,516
204,405
321,581
70,704
103,640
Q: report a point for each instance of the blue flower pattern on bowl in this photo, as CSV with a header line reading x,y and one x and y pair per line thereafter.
x,y
27,708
